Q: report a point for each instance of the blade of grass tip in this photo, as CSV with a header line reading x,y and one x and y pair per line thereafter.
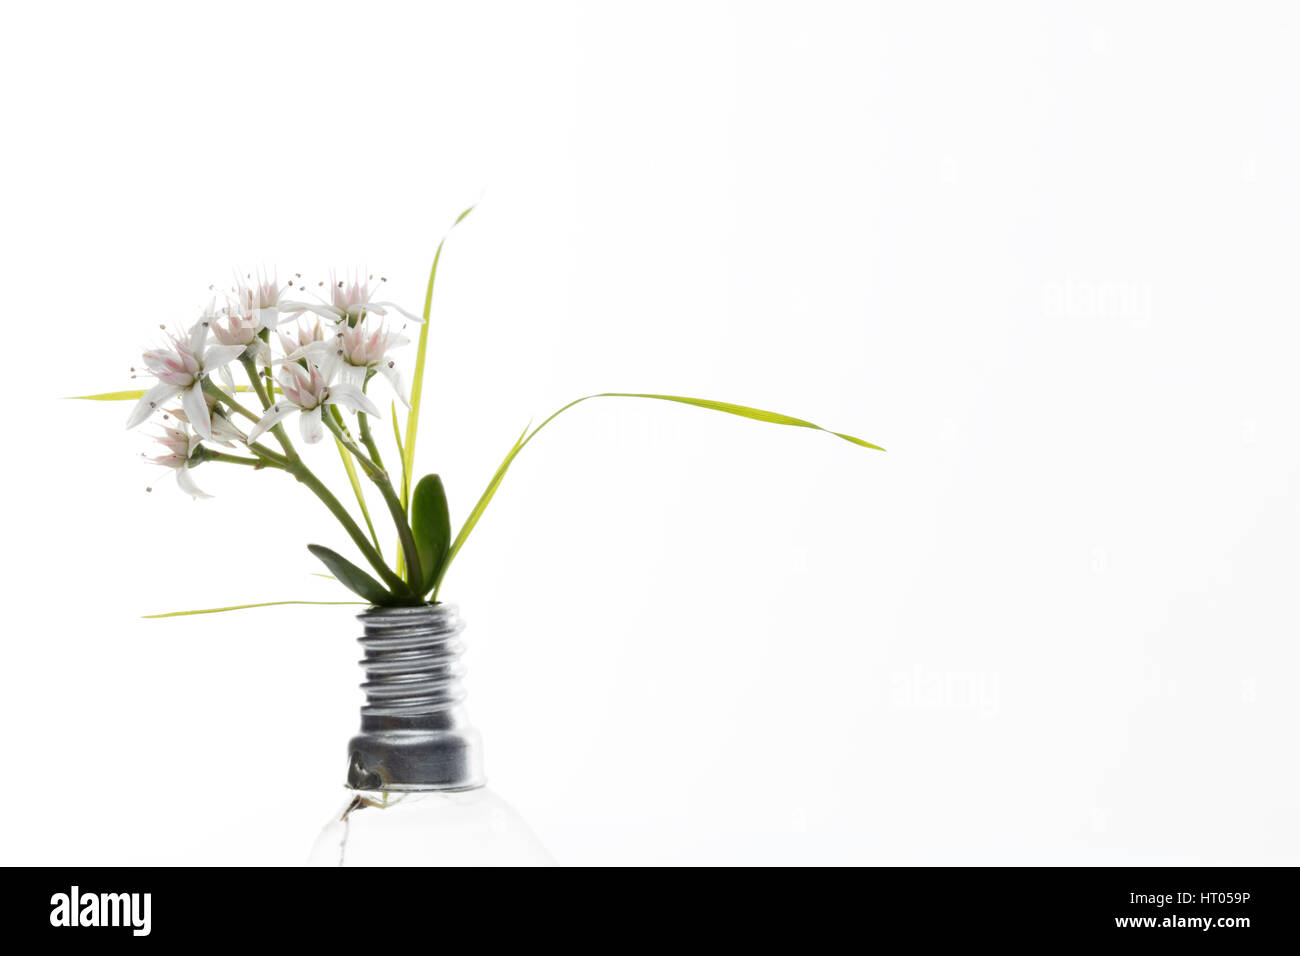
x,y
351,469
239,607
743,411
417,385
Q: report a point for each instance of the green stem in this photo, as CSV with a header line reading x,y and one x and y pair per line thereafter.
x,y
296,467
210,455
304,475
414,573
215,390
346,457
260,450
264,396
363,426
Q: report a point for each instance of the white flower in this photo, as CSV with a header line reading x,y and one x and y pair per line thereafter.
x,y
261,299
350,302
309,390
181,446
241,329
252,306
180,370
359,349
302,336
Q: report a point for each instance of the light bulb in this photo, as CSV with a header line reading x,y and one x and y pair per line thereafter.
x,y
416,794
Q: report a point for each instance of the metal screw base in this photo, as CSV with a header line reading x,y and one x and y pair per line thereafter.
x,y
414,731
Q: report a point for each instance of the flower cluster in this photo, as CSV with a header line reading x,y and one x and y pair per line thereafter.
x,y
329,349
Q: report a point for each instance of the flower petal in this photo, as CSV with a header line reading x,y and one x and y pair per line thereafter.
x,y
349,396
219,355
310,425
394,376
224,431
275,414
150,401
187,484
196,410
311,348
325,311
393,305
199,333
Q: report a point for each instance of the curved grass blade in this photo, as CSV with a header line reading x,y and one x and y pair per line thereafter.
x,y
417,385
239,607
351,576
484,500
743,411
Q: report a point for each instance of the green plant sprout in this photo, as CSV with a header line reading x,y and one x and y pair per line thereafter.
x,y
323,376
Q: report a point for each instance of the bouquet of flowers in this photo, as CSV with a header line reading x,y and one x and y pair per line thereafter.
x,y
227,388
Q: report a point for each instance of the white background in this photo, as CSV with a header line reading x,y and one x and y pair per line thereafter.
x,y
1045,254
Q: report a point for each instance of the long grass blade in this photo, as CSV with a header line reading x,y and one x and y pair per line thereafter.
x,y
131,395
481,505
401,456
743,411
355,481
417,385
240,607
405,489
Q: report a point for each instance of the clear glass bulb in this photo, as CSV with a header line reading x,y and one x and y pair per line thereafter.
x,y
428,828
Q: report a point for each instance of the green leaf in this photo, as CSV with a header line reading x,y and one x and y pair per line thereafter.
x,y
417,383
431,525
240,607
351,576
744,411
